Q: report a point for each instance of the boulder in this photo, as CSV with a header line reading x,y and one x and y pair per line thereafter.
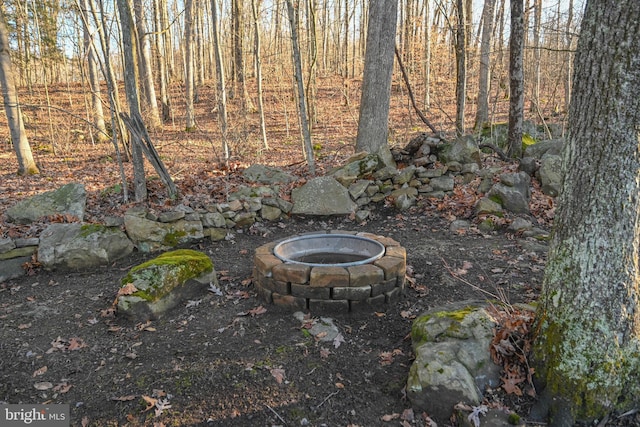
x,y
358,165
550,174
512,192
267,175
151,236
452,363
442,183
539,149
12,268
462,150
150,289
81,246
322,196
70,199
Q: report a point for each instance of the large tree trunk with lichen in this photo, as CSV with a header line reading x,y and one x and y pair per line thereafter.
x,y
587,348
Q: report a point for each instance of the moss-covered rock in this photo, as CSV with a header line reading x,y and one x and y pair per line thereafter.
x,y
163,282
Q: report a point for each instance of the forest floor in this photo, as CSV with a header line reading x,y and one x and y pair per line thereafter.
x,y
230,360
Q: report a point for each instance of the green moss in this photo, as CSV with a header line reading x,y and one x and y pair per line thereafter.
x,y
156,277
173,238
419,325
88,229
514,419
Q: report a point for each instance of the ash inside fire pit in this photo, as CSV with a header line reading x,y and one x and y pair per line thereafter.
x,y
331,271
343,250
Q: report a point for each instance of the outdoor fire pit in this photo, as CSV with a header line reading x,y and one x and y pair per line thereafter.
x,y
333,271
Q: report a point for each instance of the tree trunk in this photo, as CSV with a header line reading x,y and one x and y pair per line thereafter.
x,y
482,111
516,79
26,163
535,87
256,51
94,78
461,67
159,11
427,54
189,79
131,91
145,70
292,11
588,342
373,124
221,85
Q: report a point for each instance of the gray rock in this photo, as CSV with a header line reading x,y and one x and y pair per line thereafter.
x,y
244,219
324,329
519,224
19,252
442,183
270,213
512,192
528,165
462,150
488,207
550,174
322,196
12,268
362,215
212,219
6,244
69,199
387,172
358,188
357,166
151,236
404,175
453,362
170,216
539,149
165,282
459,225
77,246
267,175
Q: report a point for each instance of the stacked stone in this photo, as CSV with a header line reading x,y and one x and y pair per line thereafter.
x,y
331,288
13,254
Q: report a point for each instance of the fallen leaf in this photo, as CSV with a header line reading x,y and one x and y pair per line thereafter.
x,y
124,398
151,402
45,385
339,385
161,405
127,289
39,372
24,326
63,387
390,417
257,311
386,358
278,374
76,344
85,421
324,353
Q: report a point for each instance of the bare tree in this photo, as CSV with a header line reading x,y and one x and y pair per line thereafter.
x,y
144,63
482,111
461,66
26,163
189,66
221,85
292,11
255,5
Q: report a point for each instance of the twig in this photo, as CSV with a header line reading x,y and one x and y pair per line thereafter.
x,y
327,398
276,414
410,92
466,282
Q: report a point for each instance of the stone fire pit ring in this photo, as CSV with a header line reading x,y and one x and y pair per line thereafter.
x,y
300,273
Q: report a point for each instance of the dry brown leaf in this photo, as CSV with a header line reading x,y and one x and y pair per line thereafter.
x,y
151,402
85,421
386,358
278,374
76,344
390,417
63,387
39,372
339,385
127,289
124,398
24,325
257,311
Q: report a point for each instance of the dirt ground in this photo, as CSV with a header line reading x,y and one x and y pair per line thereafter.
x,y
219,361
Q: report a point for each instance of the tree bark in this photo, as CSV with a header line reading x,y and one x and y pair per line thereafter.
x,y
145,70
255,5
482,111
373,123
461,67
292,11
189,79
94,78
221,85
516,79
26,163
587,349
131,91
